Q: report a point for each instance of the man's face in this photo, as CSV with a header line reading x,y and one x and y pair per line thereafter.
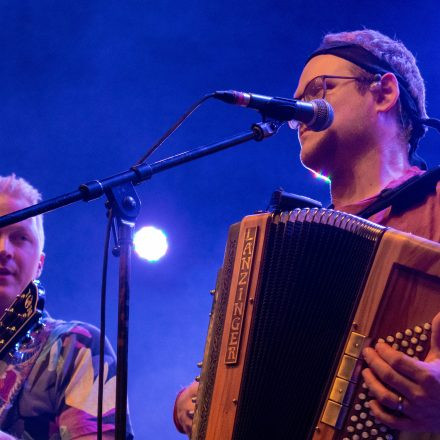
x,y
21,258
328,150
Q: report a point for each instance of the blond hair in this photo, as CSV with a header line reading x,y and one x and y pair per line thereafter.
x,y
20,188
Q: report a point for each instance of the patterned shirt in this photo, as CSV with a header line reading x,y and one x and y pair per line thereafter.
x,y
49,387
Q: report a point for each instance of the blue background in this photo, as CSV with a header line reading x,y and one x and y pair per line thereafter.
x,y
88,86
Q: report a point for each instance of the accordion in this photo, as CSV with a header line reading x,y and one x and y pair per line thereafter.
x,y
298,297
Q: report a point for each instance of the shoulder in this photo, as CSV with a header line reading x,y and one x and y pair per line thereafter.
x,y
60,329
421,219
73,336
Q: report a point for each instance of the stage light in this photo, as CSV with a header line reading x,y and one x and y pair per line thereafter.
x,y
150,243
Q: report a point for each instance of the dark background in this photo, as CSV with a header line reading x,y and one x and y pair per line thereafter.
x,y
88,86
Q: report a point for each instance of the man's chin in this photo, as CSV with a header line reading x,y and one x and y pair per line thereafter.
x,y
318,158
7,295
314,162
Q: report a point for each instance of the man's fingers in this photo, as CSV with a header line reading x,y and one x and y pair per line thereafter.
x,y
391,420
379,391
405,365
386,373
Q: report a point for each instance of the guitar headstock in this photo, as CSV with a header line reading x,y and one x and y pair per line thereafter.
x,y
19,317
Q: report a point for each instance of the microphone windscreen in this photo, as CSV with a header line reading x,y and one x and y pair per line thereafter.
x,y
324,115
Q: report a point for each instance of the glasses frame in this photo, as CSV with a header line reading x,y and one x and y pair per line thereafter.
x,y
294,125
324,84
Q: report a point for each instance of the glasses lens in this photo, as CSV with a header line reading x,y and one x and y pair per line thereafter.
x,y
314,89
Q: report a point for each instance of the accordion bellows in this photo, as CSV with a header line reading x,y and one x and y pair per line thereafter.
x,y
298,297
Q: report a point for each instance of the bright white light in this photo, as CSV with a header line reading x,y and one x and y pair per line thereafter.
x,y
150,243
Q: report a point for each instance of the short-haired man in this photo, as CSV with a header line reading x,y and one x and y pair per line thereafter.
x,y
378,97
48,388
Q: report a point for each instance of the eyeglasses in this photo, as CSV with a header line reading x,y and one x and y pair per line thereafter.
x,y
317,87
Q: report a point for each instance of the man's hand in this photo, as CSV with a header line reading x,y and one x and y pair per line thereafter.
x,y
406,390
185,407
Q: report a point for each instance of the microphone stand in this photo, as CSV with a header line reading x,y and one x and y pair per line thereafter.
x,y
125,205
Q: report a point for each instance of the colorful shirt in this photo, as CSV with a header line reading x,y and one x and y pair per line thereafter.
x,y
49,387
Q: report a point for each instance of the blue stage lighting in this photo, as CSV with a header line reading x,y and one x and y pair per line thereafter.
x,y
150,243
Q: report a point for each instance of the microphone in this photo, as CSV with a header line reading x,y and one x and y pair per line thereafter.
x,y
316,114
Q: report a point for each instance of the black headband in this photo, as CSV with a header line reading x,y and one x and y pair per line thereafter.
x,y
370,63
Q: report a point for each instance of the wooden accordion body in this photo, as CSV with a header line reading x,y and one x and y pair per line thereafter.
x,y
298,297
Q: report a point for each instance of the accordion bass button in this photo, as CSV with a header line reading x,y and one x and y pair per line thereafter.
x,y
199,364
197,378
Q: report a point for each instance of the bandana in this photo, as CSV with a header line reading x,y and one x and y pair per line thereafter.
x,y
374,65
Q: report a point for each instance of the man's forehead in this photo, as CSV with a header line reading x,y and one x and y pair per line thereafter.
x,y
324,65
9,203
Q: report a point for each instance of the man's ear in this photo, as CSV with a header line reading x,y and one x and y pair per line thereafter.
x,y
385,91
40,265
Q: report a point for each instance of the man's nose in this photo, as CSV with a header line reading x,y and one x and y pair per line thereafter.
x,y
5,247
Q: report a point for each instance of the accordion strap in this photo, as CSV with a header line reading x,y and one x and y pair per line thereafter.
x,y
404,196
